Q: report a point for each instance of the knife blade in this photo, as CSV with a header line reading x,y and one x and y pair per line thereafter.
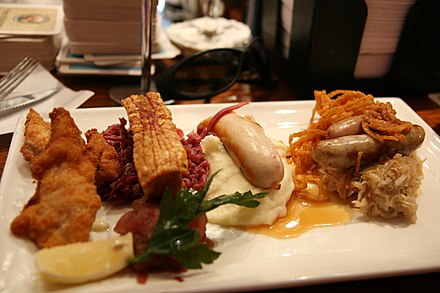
x,y
21,101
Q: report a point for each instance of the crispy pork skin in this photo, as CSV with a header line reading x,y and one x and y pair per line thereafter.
x,y
159,156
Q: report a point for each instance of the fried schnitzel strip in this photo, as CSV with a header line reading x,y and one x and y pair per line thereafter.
x,y
36,135
108,165
65,203
159,156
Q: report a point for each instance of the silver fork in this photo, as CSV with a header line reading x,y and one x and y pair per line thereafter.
x,y
13,78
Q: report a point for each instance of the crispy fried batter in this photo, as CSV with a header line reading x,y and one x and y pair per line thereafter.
x,y
36,135
108,165
64,206
159,156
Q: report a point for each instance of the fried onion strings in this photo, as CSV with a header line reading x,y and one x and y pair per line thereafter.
x,y
379,122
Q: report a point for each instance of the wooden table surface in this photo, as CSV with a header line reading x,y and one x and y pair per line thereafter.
x,y
428,111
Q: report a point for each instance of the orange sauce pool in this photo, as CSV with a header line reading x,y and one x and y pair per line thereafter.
x,y
304,215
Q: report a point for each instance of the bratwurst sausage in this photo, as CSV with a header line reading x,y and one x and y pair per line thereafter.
x,y
342,152
413,139
251,150
347,126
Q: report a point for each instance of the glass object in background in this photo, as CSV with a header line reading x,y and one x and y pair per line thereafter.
x,y
209,29
213,8
119,93
198,8
147,43
173,10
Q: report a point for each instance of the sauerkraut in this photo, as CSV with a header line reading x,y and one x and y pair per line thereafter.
x,y
387,190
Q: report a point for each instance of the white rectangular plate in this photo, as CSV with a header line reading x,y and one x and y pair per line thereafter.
x,y
356,250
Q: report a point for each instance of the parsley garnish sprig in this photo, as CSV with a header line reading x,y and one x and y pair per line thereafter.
x,y
172,235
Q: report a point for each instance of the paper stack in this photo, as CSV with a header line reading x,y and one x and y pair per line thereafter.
x,y
29,30
382,31
103,26
104,37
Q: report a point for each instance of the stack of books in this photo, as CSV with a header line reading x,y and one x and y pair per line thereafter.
x,y
29,30
104,37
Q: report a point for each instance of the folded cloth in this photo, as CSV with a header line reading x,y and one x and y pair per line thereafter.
x,y
41,79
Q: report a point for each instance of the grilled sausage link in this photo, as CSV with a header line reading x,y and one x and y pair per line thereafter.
x,y
348,126
251,149
413,139
342,152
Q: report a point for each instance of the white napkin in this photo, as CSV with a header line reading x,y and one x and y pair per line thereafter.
x,y
40,79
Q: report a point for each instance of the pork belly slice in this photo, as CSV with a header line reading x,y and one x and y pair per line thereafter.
x,y
159,156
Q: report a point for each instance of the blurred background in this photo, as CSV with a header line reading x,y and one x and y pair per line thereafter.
x,y
383,46
390,46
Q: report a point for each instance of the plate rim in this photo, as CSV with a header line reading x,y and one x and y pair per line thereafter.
x,y
268,285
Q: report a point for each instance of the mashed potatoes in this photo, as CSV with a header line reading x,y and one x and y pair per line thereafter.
x,y
230,179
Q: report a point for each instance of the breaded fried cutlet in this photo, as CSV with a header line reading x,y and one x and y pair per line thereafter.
x,y
108,165
65,203
36,135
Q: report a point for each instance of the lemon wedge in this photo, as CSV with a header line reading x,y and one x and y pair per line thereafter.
x,y
84,261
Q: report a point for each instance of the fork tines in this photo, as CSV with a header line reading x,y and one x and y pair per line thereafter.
x,y
14,77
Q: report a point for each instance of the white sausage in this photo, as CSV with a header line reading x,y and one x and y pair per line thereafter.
x,y
348,126
413,139
342,152
251,150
